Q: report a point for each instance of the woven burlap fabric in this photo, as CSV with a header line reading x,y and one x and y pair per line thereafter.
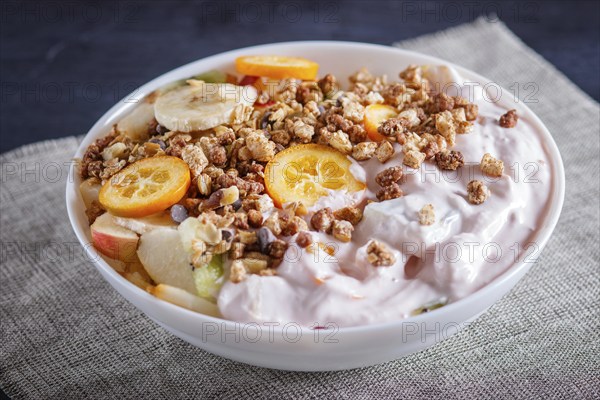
x,y
66,333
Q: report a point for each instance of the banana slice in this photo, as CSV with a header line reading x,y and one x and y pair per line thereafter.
x,y
200,106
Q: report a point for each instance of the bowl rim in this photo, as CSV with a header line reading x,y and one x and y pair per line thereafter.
x,y
540,236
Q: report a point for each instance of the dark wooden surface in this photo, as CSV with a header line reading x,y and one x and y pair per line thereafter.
x,y
63,64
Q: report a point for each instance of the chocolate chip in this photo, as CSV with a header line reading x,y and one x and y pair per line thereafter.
x,y
178,213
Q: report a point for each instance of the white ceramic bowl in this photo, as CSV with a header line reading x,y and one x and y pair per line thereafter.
x,y
290,347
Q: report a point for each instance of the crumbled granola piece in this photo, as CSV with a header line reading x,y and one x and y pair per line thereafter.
x,y
430,150
342,230
300,130
195,159
111,167
277,248
413,73
309,91
294,225
361,76
328,85
353,110
238,271
281,137
449,160
152,149
351,214
379,255
204,184
477,192
245,187
339,141
91,163
509,120
364,151
322,220
218,156
296,208
237,250
389,176
311,109
410,117
437,139
491,166
413,159
273,223
389,192
223,246
261,148
213,172
414,142
200,256
241,113
247,237
255,262
397,94
335,122
460,101
373,98
392,127
255,218
444,123
463,127
427,215
258,202
357,133
241,220
471,111
224,135
459,114
304,239
176,144
289,89
384,151
441,102
192,206
93,169
278,114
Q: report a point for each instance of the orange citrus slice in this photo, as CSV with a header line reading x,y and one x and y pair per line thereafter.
x,y
278,67
375,114
307,172
146,187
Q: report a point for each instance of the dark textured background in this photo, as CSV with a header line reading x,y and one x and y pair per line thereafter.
x,y
63,64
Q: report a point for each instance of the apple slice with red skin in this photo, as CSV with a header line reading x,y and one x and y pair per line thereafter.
x,y
113,240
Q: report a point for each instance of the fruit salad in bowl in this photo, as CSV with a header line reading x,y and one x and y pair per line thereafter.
x,y
274,190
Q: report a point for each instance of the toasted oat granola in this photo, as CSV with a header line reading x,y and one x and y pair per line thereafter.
x,y
491,166
427,215
379,255
477,192
509,120
227,162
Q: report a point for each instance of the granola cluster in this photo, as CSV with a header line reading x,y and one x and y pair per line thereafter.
x,y
340,223
509,120
227,162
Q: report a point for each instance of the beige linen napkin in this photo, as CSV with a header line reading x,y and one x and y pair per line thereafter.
x,y
66,333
